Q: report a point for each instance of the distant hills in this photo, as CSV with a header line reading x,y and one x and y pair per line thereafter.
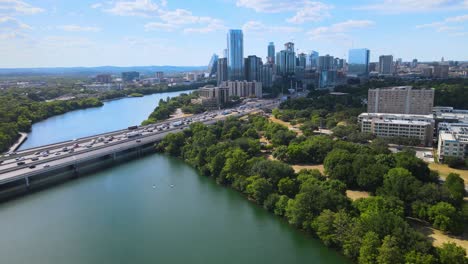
x,y
85,71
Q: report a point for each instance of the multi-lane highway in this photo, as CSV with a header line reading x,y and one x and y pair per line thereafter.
x,y
45,158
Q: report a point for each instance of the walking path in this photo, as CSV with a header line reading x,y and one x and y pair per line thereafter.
x,y
18,143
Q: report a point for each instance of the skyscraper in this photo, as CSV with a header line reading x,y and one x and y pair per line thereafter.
x,y
286,60
253,68
222,71
271,53
386,64
267,75
302,60
358,62
235,54
213,66
326,62
312,60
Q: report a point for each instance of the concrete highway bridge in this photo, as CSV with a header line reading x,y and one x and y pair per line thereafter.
x,y
36,168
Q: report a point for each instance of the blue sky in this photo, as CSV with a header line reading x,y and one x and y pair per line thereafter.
x,y
53,33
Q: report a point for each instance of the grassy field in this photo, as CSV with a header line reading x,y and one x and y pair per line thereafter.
x,y
444,170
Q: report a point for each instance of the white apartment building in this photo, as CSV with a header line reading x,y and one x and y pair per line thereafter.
x,y
453,140
393,125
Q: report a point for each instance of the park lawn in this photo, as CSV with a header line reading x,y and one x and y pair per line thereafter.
x,y
354,195
298,168
286,124
445,170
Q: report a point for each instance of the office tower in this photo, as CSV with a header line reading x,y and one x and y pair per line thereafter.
x,y
243,89
286,60
104,78
339,63
386,64
130,76
400,100
414,64
159,75
271,53
222,71
267,75
325,62
312,60
302,60
373,66
441,71
213,66
253,68
358,62
235,52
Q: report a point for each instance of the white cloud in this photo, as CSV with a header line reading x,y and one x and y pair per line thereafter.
x,y
77,28
457,19
187,22
12,7
11,28
257,27
339,30
447,25
312,11
306,10
396,6
155,26
96,5
145,8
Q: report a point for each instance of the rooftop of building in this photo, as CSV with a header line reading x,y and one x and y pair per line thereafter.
x,y
400,122
454,131
395,116
399,88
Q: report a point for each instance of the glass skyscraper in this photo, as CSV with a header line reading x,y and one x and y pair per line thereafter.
x,y
358,62
235,55
271,53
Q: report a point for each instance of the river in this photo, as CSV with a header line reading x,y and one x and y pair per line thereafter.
x,y
155,209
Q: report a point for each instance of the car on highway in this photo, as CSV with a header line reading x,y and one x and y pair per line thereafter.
x,y
20,163
20,159
34,158
138,140
57,153
46,166
1,161
32,166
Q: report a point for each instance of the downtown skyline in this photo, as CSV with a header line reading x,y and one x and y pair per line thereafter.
x,y
143,32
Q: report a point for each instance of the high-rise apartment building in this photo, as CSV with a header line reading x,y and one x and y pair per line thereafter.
x,y
213,66
400,100
253,68
222,71
235,54
243,89
286,60
104,78
267,75
453,141
358,62
271,53
159,75
386,64
441,71
130,76
326,63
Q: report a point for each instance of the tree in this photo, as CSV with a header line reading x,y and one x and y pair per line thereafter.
x,y
399,182
272,170
389,252
287,187
371,177
445,217
416,166
281,204
415,257
235,164
369,249
323,227
450,253
270,203
338,165
259,189
456,187
453,162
